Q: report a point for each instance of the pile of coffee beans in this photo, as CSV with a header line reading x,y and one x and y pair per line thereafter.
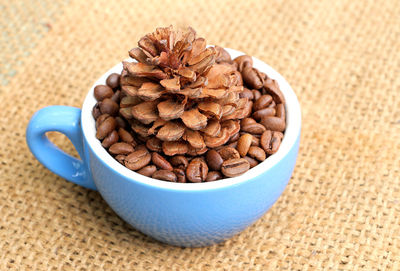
x,y
259,135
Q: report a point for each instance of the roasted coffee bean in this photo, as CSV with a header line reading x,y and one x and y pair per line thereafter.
x,y
253,162
171,148
265,140
246,93
252,77
265,112
234,138
280,111
120,122
213,176
179,161
272,105
96,111
255,140
102,92
247,121
233,145
244,144
214,159
270,141
273,123
121,148
160,161
138,159
126,137
165,175
117,96
148,170
110,139
228,153
154,144
120,158
106,127
256,94
243,61
257,153
113,80
272,88
253,128
101,119
197,170
234,167
262,102
108,106
180,175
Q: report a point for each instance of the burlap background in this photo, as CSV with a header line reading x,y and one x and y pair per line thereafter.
x,y
341,207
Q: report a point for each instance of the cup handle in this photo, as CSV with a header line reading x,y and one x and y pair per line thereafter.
x,y
66,120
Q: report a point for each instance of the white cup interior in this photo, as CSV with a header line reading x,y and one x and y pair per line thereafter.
x,y
293,124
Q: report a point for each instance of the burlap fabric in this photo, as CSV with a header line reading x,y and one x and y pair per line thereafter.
x,y
340,210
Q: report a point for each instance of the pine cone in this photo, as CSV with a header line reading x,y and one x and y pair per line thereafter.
x,y
182,92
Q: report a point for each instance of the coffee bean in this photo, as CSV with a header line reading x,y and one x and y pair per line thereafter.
x,y
228,153
272,105
106,127
246,93
96,111
180,175
110,139
256,140
214,160
154,144
138,159
256,94
234,167
272,88
253,162
120,122
121,148
213,176
253,128
160,161
247,121
270,141
108,106
252,77
165,175
102,91
126,136
148,170
273,123
265,112
243,61
113,80
120,158
116,97
244,144
101,119
257,153
197,170
280,111
233,145
262,102
179,161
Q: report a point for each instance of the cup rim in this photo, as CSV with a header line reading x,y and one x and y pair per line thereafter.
x,y
292,132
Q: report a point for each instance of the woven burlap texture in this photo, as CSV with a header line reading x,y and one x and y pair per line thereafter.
x,y
341,209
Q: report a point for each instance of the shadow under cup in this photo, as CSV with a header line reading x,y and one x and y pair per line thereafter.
x,y
184,214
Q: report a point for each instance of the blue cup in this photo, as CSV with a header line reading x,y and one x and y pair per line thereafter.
x,y
180,214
